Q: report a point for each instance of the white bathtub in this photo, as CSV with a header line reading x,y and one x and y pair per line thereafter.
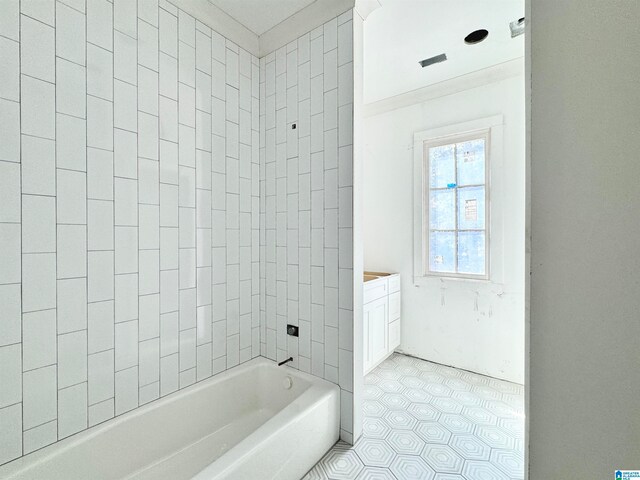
x,y
241,424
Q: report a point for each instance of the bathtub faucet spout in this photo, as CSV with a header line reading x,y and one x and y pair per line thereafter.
x,y
290,359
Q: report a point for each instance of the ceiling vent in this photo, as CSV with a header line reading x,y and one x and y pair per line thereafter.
x,y
430,61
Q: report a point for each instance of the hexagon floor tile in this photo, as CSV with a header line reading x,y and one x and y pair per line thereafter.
x,y
457,423
470,447
495,437
395,401
514,426
373,408
410,467
479,415
448,476
375,452
391,386
468,399
447,405
375,473
400,420
405,442
316,473
373,427
417,395
443,458
372,392
510,462
431,422
341,464
433,433
413,381
475,470
424,411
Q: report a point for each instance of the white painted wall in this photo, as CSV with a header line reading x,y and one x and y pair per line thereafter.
x,y
473,325
584,376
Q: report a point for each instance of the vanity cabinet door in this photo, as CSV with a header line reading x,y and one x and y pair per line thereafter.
x,y
366,314
376,332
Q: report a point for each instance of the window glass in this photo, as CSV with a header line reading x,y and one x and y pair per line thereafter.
x,y
470,162
442,251
457,208
442,214
471,253
471,208
442,171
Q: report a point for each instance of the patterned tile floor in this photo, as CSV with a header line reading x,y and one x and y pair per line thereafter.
x,y
425,421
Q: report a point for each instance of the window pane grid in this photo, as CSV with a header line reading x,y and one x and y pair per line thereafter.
x,y
458,230
434,189
466,246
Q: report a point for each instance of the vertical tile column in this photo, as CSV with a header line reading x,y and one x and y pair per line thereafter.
x,y
204,348
304,202
127,218
39,218
169,180
262,206
79,192
330,125
10,237
232,204
244,200
101,167
255,207
141,383
270,204
316,68
345,221
293,198
218,202
281,202
101,246
187,196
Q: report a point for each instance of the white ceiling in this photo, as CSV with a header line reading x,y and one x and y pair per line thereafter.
x,y
402,32
261,15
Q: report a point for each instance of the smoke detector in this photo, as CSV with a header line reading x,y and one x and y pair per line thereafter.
x,y
476,36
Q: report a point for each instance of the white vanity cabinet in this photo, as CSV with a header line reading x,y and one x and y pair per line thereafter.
x,y
381,317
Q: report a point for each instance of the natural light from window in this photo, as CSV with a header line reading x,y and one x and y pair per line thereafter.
x,y
456,211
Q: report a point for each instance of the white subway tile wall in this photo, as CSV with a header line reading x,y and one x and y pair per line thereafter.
x,y
306,189
168,204
129,211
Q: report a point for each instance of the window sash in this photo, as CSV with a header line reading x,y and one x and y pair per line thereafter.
x,y
427,230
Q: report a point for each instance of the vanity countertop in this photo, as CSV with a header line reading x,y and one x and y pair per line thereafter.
x,y
368,276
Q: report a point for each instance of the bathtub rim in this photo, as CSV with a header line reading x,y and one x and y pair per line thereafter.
x,y
22,464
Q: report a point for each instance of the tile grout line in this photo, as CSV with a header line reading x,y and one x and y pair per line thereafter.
x,y
55,154
113,116
86,232
21,230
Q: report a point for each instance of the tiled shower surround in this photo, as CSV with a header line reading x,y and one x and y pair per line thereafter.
x,y
161,220
306,133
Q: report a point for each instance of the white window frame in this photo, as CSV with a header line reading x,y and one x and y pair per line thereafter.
x,y
489,128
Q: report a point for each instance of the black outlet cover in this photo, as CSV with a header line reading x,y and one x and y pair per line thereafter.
x,y
292,330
